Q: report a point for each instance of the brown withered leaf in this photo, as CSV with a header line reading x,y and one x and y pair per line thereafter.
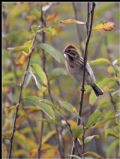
x,y
52,17
109,26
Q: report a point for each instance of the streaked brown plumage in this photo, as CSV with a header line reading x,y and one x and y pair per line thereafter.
x,y
75,64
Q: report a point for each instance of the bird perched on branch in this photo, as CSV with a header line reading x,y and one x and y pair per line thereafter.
x,y
75,66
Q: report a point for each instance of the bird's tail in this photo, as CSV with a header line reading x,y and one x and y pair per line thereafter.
x,y
97,90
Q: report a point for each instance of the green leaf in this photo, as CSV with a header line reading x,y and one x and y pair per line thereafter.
x,y
32,107
34,28
104,101
92,98
77,131
112,132
45,107
50,30
48,136
58,56
74,157
92,154
69,107
48,110
89,138
100,61
108,84
39,75
24,141
94,118
112,147
57,72
26,47
27,79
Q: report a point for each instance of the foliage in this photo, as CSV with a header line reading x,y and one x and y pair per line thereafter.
x,y
50,96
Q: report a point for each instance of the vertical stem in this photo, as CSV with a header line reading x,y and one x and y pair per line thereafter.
x,y
19,101
85,62
88,17
43,66
50,95
16,77
83,140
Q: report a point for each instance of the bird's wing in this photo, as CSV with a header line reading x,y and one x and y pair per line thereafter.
x,y
90,71
88,68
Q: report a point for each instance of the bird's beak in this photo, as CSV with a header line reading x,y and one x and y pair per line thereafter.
x,y
65,55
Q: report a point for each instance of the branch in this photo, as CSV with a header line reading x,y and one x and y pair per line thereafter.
x,y
85,62
50,95
43,66
88,18
20,99
16,78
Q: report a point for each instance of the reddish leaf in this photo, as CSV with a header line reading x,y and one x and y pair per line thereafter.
x,y
52,17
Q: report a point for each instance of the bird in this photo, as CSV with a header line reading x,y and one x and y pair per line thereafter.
x,y
75,65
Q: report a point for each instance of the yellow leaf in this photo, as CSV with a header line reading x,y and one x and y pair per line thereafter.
x,y
47,151
109,26
52,17
22,58
71,21
33,153
72,123
51,152
24,141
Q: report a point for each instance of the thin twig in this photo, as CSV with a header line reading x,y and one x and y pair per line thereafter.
x,y
40,139
50,95
61,152
77,26
83,141
113,102
85,61
43,23
19,100
88,18
16,78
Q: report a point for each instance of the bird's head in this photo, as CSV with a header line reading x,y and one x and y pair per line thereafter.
x,y
71,53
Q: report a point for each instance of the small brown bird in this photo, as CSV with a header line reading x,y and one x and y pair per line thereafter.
x,y
75,64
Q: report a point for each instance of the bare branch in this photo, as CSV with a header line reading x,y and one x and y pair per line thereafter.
x,y
85,62
50,95
20,99
88,17
43,66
